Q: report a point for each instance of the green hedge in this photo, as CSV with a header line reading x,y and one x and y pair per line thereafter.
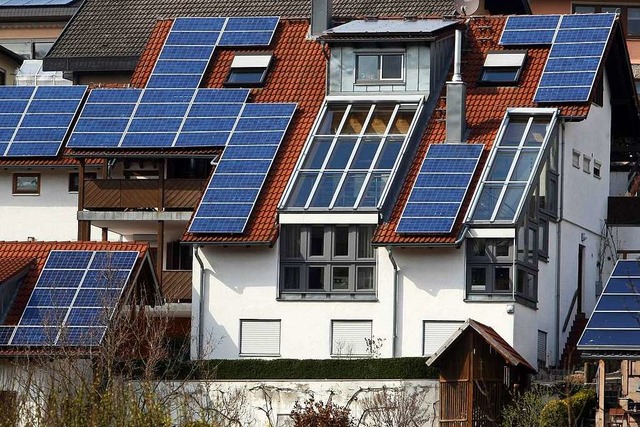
x,y
256,369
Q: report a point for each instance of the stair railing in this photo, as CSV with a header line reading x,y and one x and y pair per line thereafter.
x,y
568,317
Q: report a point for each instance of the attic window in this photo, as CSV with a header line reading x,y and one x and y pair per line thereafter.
x,y
502,68
248,70
377,67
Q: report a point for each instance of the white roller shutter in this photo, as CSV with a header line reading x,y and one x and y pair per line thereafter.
x,y
260,337
348,337
436,334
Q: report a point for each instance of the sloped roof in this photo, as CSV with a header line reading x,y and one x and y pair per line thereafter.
x,y
38,252
492,338
11,267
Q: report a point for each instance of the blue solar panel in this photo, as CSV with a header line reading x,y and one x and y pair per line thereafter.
x,y
532,22
614,323
594,20
440,188
255,23
192,38
240,38
179,96
530,30
180,67
529,37
198,24
75,288
5,334
81,336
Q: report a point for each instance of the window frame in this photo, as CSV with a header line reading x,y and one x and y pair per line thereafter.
x,y
242,62
490,262
597,169
240,338
515,67
17,191
576,159
380,54
349,355
586,164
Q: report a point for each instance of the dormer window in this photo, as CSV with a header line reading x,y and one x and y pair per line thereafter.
x,y
377,67
248,70
502,68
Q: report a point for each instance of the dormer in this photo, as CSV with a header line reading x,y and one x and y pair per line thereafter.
x,y
372,56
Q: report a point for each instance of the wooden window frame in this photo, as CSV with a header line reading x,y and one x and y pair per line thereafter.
x,y
18,191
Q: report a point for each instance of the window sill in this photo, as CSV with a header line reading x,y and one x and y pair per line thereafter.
x,y
351,356
248,355
489,298
380,83
330,297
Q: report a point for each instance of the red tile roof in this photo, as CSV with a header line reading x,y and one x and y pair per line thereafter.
x,y
486,107
10,267
38,252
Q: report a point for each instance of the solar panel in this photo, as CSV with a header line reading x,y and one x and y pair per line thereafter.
x,y
575,57
614,323
253,31
440,188
234,186
35,120
74,298
529,30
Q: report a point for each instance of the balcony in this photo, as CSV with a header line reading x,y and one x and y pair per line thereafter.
x,y
176,285
623,211
121,194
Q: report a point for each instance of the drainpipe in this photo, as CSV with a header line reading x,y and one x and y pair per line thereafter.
x,y
559,237
200,302
394,340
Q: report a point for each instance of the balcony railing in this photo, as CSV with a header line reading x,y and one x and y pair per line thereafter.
x,y
176,285
119,194
623,211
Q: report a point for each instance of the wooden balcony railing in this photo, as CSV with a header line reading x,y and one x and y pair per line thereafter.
x,y
101,194
176,285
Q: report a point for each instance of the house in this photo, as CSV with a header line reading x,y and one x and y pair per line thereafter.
x,y
398,206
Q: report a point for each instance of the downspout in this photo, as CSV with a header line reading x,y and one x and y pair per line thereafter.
x,y
394,340
200,302
559,238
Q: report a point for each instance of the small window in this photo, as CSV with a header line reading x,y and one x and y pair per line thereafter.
x,y
575,159
597,166
351,338
542,349
502,68
586,164
260,338
436,333
26,183
633,21
248,70
377,67
179,256
74,180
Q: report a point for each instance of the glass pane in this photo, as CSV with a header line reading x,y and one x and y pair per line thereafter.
x,y
609,9
350,190
316,278
21,48
367,66
246,75
340,278
40,49
530,245
317,153
542,189
326,189
355,120
501,164
291,241
316,241
537,132
514,132
500,74
478,278
503,280
402,121
365,235
526,284
301,189
379,120
525,165
584,9
372,194
553,155
291,278
522,244
389,153
510,202
331,120
478,248
633,21
366,151
341,153
487,202
364,279
391,66
341,241
502,247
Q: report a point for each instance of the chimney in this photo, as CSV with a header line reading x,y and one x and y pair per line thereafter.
x,y
320,16
456,97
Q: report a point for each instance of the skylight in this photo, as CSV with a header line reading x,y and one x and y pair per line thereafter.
x,y
513,165
502,68
352,156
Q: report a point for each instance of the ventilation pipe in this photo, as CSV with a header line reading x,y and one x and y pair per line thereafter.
x,y
320,17
456,97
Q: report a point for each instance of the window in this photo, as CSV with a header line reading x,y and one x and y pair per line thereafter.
x,y
489,265
351,157
502,68
586,164
183,168
248,70
179,257
260,338
543,239
350,338
376,67
597,166
334,259
436,333
26,183
29,48
542,349
575,159
74,180
629,16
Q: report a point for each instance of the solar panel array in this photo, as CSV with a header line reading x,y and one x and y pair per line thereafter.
x,y
35,120
192,41
235,185
440,188
615,321
19,3
73,300
578,43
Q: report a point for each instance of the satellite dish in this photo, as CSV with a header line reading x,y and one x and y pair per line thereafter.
x,y
466,7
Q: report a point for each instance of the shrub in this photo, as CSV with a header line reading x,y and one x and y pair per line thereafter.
x,y
318,414
554,414
524,410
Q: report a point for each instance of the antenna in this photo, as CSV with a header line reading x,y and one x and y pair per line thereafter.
x,y
466,7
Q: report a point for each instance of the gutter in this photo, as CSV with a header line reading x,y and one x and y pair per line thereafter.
x,y
394,340
559,238
196,252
